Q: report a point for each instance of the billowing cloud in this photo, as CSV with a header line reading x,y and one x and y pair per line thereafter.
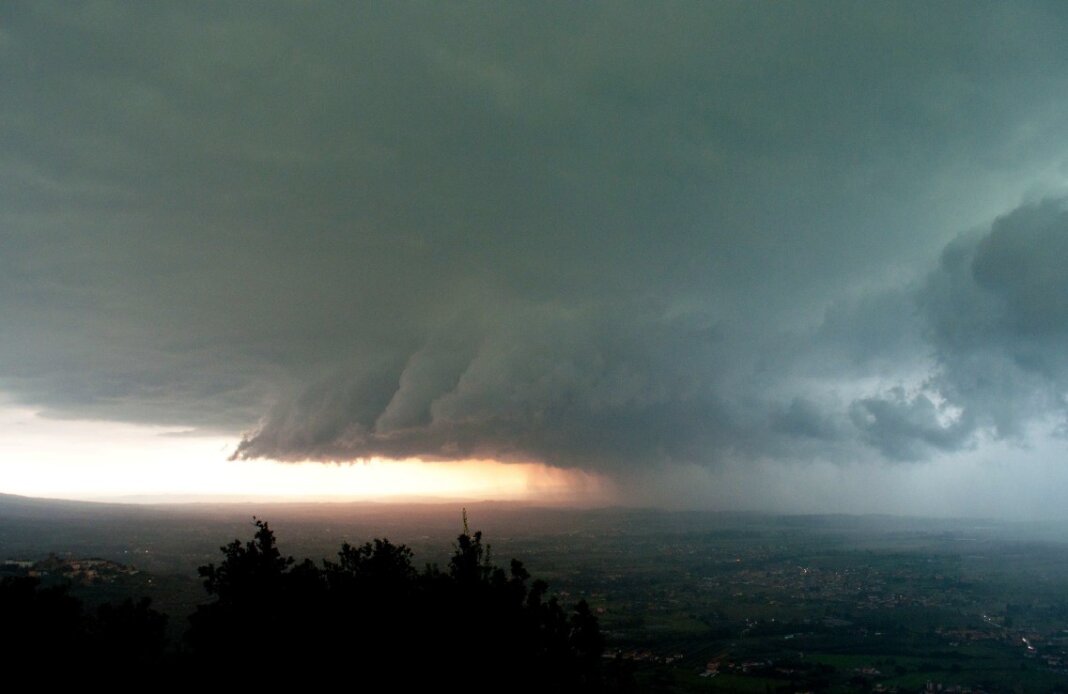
x,y
590,235
577,387
904,427
980,338
802,418
974,350
998,316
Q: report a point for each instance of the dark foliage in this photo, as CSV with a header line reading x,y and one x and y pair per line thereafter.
x,y
373,613
369,617
37,619
47,625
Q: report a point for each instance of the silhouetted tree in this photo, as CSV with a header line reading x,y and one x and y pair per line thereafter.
x,y
250,571
37,620
41,624
370,609
260,598
377,566
130,634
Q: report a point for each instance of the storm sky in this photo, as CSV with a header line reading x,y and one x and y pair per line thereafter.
x,y
776,255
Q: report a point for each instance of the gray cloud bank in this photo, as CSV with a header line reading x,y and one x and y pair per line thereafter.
x,y
595,235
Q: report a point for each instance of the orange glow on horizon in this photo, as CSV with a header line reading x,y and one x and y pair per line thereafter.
x,y
108,461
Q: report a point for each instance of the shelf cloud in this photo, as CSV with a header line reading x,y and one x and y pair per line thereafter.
x,y
600,237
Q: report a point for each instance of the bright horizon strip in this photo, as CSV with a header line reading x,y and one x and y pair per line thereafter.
x,y
109,461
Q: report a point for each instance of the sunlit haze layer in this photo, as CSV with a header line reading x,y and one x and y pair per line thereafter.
x,y
106,461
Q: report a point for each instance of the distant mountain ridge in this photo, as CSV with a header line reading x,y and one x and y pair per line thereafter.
x,y
16,506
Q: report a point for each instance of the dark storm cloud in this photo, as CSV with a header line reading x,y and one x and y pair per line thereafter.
x,y
905,428
803,418
992,320
998,316
591,235
577,387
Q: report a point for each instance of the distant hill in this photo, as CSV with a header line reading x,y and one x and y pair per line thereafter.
x,y
15,506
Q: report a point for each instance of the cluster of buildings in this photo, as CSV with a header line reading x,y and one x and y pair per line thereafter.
x,y
79,571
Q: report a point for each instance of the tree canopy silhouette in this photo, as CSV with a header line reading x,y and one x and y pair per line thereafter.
x,y
46,623
368,615
372,609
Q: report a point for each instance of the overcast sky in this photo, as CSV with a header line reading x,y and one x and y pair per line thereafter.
x,y
765,254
